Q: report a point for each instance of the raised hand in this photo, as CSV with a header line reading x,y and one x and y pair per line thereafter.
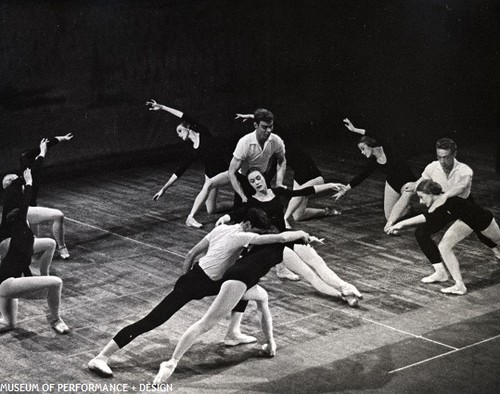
x,y
244,117
27,176
349,125
154,106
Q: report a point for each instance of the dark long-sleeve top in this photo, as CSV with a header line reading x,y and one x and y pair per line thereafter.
x,y
27,160
396,168
274,208
210,151
474,216
14,197
18,259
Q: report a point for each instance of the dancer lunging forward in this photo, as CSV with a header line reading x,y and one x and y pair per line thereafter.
x,y
222,246
468,217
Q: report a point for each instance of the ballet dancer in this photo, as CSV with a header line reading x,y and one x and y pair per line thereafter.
x,y
305,173
382,155
12,183
298,257
205,147
467,217
455,178
266,151
16,280
222,246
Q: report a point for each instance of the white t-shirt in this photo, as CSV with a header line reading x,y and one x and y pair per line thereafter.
x,y
435,172
249,151
226,243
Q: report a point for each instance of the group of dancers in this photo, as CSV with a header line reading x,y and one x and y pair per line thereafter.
x,y
253,235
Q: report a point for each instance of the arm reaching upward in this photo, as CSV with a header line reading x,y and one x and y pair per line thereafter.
x,y
154,106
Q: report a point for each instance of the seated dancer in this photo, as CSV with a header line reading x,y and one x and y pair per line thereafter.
x,y
468,217
16,280
382,155
12,183
305,173
297,257
204,146
222,246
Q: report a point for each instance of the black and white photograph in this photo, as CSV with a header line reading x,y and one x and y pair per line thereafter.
x,y
250,196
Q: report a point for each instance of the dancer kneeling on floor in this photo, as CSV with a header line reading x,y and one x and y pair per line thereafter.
x,y
469,217
299,258
222,246
15,264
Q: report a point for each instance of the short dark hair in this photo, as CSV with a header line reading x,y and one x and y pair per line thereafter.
x,y
369,141
257,218
446,144
262,115
428,186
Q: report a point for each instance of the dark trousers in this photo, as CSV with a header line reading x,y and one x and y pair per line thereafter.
x,y
193,285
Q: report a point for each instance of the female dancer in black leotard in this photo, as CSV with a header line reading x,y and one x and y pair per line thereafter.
x,y
468,217
305,173
382,156
299,258
16,280
218,251
13,185
244,275
210,152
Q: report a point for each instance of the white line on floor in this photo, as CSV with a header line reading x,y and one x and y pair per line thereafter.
x,y
127,238
445,354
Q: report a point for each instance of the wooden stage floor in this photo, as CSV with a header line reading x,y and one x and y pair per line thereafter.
x,y
126,253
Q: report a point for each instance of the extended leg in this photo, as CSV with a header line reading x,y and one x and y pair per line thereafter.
x,y
39,215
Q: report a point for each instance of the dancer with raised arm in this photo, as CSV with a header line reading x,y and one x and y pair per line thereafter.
x,y
299,258
203,146
16,280
381,155
13,186
467,216
222,247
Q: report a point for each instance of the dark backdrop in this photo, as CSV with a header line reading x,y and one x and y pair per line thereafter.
x,y
413,70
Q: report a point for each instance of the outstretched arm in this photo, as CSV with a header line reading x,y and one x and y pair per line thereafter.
x,y
244,117
169,183
66,137
154,106
405,223
200,248
287,236
350,127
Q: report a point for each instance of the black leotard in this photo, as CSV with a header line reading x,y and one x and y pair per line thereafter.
x,y
474,216
257,263
18,259
14,197
210,151
396,168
